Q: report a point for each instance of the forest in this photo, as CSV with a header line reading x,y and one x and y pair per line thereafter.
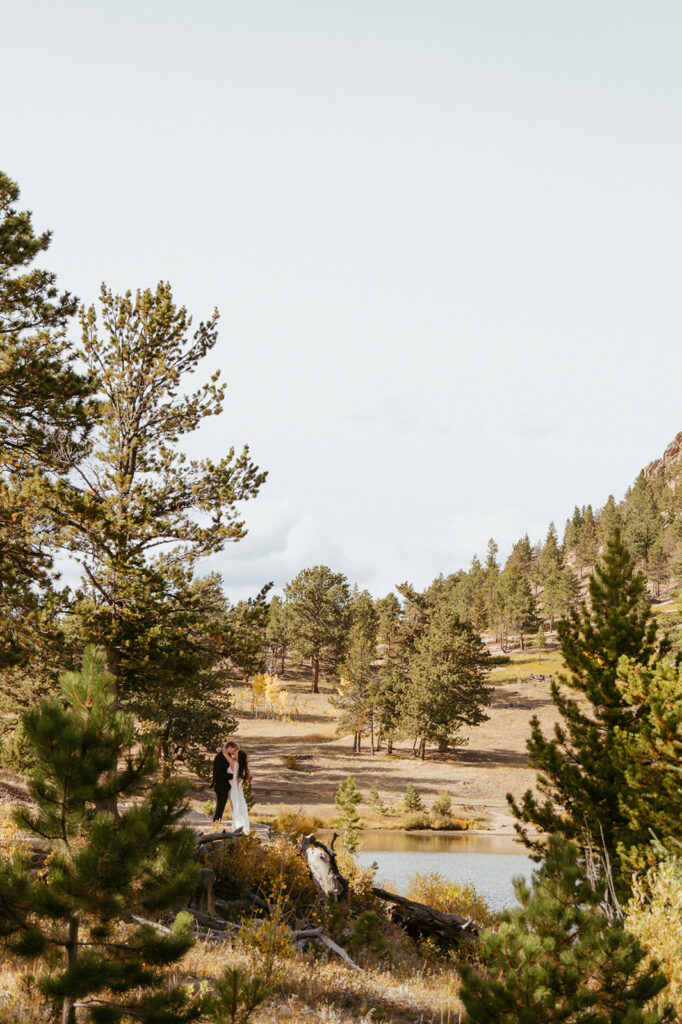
x,y
115,692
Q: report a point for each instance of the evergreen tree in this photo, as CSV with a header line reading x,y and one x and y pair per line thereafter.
x,y
516,605
43,425
522,556
356,694
142,513
277,632
388,609
347,798
580,771
190,718
558,958
103,868
318,601
550,568
447,673
247,624
643,525
651,800
608,521
389,700
587,545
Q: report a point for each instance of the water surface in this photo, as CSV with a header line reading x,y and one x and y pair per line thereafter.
x,y
490,862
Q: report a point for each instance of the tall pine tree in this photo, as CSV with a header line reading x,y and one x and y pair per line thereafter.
x,y
557,957
581,772
318,601
43,423
140,513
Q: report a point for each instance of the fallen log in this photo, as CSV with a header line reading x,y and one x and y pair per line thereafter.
x,y
209,921
419,919
323,867
212,837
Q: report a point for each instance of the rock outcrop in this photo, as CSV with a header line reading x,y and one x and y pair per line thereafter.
x,y
669,465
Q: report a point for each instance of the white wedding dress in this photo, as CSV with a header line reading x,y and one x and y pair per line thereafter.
x,y
240,812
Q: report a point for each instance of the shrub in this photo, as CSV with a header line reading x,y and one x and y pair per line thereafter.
x,y
295,824
450,897
360,880
654,916
11,840
442,805
269,940
417,820
441,812
292,762
265,868
412,800
16,752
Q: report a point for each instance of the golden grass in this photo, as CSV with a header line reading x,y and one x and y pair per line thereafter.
x,y
321,990
526,664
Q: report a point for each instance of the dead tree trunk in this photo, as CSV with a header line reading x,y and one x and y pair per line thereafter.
x,y
323,867
418,919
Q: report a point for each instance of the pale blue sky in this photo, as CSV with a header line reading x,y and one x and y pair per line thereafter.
x,y
444,238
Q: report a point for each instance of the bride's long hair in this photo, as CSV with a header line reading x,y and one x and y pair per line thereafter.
x,y
242,765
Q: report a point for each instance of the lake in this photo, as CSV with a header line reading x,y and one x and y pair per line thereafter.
x,y
490,862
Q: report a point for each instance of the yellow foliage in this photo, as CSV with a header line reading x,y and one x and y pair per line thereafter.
x,y
654,916
265,868
295,824
269,689
450,897
11,840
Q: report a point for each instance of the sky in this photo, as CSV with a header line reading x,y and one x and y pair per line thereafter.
x,y
444,239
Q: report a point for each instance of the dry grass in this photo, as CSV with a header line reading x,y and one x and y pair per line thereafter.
x,y
323,991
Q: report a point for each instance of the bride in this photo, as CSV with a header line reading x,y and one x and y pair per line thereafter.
x,y
240,773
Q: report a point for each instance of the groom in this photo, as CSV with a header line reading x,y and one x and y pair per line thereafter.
x,y
222,776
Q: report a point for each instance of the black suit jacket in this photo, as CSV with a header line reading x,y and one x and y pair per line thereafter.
x,y
222,773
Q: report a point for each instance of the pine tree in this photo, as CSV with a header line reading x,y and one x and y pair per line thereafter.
x,y
103,868
608,521
412,801
277,633
643,525
550,567
447,674
388,609
514,605
318,601
587,546
185,702
651,800
140,514
43,425
356,694
558,958
580,771
347,798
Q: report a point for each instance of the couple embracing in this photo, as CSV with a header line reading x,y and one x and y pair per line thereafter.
x,y
230,772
